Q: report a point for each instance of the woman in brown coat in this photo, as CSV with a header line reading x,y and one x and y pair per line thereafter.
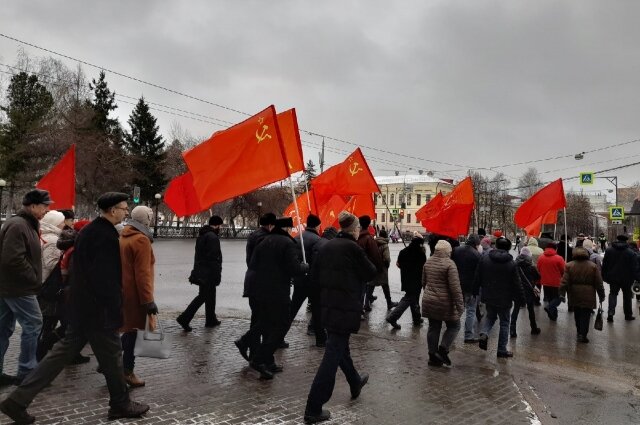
x,y
442,302
137,284
581,281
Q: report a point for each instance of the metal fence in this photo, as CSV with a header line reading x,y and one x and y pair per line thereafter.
x,y
188,232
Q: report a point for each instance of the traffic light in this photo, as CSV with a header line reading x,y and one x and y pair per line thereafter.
x,y
136,194
401,214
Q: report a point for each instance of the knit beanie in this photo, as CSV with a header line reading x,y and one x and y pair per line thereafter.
x,y
53,218
142,215
587,244
443,245
526,252
348,222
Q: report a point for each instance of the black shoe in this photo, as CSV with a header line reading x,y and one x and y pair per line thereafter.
x,y
6,380
505,354
434,361
629,318
482,342
16,412
583,339
242,348
283,344
184,324
535,331
133,409
355,392
391,305
212,324
394,324
610,318
513,334
264,372
80,359
444,355
325,415
471,340
275,368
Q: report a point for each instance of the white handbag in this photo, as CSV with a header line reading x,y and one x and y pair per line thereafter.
x,y
154,344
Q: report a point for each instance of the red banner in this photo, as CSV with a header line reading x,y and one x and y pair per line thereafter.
x,y
60,181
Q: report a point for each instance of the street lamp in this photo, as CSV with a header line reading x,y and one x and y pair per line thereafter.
x,y
155,227
259,204
3,183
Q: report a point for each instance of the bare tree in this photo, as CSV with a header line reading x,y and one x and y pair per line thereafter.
x,y
529,183
579,215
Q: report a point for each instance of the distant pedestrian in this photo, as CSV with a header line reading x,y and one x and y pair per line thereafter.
x,y
593,255
95,316
602,240
581,281
551,268
410,262
340,269
497,277
536,251
442,302
207,274
619,269
21,280
137,285
366,242
529,277
467,257
382,278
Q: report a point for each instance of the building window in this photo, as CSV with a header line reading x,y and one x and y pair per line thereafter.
x,y
427,198
392,199
408,218
384,200
409,199
400,199
375,199
383,216
418,199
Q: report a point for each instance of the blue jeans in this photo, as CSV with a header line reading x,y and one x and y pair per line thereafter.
x,y
493,313
470,304
27,312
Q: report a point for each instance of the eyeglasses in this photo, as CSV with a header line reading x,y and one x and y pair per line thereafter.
x,y
121,208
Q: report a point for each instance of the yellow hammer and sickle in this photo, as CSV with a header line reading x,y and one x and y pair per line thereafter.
x,y
264,135
354,169
332,214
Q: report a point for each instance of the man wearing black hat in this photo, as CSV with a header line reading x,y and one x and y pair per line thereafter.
x,y
248,342
275,261
619,270
207,274
95,316
20,281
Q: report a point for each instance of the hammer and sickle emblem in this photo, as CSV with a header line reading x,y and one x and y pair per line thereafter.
x,y
263,135
332,214
354,169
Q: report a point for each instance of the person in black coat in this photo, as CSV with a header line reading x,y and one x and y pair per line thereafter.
x,y
529,276
340,269
275,262
619,269
95,317
467,258
248,343
207,274
410,261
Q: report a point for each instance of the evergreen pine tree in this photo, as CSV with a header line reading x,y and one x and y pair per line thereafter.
x,y
103,104
147,151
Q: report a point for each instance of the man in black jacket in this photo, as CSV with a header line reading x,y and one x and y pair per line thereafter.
x,y
207,274
467,258
340,269
619,270
95,317
247,344
497,275
275,262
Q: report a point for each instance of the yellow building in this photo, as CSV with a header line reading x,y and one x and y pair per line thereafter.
x,y
401,196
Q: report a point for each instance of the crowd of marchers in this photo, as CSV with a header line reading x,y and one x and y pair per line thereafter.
x,y
69,283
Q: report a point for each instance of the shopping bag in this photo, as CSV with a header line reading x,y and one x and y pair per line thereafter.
x,y
155,344
598,323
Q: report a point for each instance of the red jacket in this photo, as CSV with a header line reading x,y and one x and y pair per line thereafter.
x,y
551,268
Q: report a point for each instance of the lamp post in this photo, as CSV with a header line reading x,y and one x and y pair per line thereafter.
x,y
3,183
155,227
259,204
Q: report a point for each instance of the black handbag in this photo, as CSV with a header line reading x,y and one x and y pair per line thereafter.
x,y
597,325
194,279
52,288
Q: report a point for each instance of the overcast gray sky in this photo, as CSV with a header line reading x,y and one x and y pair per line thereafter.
x,y
471,83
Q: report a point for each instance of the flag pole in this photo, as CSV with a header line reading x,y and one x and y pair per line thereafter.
x,y
295,204
566,242
306,186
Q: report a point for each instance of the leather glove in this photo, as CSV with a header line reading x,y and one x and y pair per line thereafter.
x,y
304,268
563,300
152,308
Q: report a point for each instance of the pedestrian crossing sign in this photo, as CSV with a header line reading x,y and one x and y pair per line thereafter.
x,y
616,213
586,179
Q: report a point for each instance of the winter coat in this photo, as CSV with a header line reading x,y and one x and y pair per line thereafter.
x,y
551,268
442,298
96,288
529,276
411,261
253,240
340,269
366,242
596,259
20,256
382,278
498,277
466,258
207,262
137,277
275,262
560,251
50,253
620,265
310,238
581,280
536,251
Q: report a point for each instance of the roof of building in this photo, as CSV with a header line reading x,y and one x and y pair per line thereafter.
x,y
409,179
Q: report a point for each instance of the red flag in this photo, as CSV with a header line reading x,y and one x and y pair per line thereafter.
x,y
550,197
306,206
534,228
360,205
238,160
288,124
330,211
60,181
350,177
181,197
455,212
431,208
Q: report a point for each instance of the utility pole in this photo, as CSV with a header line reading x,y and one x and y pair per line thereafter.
x,y
321,157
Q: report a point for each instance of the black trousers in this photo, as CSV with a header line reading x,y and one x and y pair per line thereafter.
x,y
300,293
108,350
251,338
627,295
410,300
582,316
273,323
336,355
128,340
516,312
207,296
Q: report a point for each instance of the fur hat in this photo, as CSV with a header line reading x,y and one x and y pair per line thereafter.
x,y
215,220
142,215
54,218
503,243
313,221
587,244
268,219
36,196
348,222
283,222
111,199
365,221
443,245
622,238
